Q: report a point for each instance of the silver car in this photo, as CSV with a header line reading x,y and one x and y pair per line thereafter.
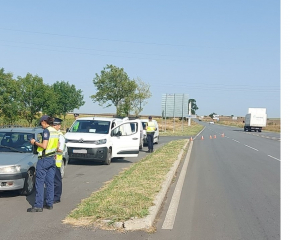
x,y
18,158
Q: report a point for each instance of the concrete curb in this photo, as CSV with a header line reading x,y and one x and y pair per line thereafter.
x,y
147,222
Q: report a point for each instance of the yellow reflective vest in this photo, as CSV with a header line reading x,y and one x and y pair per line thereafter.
x,y
51,146
58,159
150,127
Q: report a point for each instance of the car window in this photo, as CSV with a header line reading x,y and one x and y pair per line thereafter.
x,y
125,129
15,141
39,137
144,124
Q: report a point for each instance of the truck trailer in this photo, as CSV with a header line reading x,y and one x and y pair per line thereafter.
x,y
255,120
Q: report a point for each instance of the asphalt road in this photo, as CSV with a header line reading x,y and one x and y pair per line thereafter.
x,y
231,191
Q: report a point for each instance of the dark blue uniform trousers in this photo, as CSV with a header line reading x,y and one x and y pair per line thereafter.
x,y
57,185
150,137
45,171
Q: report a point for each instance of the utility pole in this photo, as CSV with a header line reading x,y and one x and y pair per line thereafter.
x,y
189,113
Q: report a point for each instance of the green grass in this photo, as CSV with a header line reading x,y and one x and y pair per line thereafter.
x,y
131,193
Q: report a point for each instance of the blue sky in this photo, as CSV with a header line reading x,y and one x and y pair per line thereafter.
x,y
225,54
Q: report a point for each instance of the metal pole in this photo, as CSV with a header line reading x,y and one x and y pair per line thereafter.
x,y
189,113
182,110
174,114
165,110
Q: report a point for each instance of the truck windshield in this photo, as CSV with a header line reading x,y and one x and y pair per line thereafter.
x,y
91,126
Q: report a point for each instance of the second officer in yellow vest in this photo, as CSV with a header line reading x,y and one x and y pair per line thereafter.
x,y
150,129
45,167
58,161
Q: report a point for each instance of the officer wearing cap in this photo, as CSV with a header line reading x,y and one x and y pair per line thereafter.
x,y
150,129
45,167
58,161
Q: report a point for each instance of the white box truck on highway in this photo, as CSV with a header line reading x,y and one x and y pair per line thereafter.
x,y
255,120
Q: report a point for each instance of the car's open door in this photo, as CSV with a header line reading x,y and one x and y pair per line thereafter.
x,y
125,139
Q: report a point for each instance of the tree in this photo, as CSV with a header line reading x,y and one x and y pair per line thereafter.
x,y
9,97
211,115
194,107
141,94
35,97
67,99
125,106
113,86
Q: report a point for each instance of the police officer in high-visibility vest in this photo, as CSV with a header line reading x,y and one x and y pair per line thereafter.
x,y
45,167
58,161
150,129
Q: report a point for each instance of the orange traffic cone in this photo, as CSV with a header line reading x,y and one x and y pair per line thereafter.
x,y
190,138
201,137
214,136
223,135
210,137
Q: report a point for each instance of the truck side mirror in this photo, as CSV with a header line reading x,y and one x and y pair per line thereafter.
x,y
67,129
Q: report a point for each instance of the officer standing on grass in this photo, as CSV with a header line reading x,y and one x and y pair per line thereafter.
x,y
150,129
45,167
58,161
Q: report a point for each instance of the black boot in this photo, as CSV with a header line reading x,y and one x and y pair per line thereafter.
x,y
34,209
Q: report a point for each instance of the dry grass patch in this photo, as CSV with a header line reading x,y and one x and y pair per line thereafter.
x,y
272,125
178,128
131,193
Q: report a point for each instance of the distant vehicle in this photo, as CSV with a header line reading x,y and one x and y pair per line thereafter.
x,y
156,134
255,120
101,139
211,122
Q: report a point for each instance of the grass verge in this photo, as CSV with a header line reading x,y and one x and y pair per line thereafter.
x,y
130,193
179,129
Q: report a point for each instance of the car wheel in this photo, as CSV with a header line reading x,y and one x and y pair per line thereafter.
x,y
62,169
108,158
29,183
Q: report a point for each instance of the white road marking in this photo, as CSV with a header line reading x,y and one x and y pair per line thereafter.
x,y
274,158
172,210
236,140
251,147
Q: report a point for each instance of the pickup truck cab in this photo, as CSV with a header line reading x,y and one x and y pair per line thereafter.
x,y
101,139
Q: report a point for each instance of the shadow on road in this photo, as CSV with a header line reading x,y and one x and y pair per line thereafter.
x,y
91,163
31,198
9,194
